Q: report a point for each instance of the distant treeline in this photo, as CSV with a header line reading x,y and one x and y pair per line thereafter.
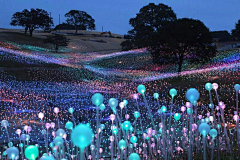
x,y
66,26
217,36
221,36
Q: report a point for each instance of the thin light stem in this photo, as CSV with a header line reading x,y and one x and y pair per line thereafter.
x,y
204,147
81,153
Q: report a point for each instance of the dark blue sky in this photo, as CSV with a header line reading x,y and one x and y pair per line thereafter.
x,y
114,15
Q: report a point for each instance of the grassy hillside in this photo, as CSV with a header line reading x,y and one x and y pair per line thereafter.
x,y
85,41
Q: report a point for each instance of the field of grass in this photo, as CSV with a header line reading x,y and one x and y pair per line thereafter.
x,y
86,41
33,82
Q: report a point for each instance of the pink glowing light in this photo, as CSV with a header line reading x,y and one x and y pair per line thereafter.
x,y
56,110
135,96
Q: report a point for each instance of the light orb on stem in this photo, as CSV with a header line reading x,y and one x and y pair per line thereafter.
x,y
134,156
156,95
141,89
31,152
215,86
40,115
97,99
173,92
136,114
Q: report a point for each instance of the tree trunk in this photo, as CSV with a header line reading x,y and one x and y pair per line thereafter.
x,y
76,29
180,65
31,32
56,48
26,28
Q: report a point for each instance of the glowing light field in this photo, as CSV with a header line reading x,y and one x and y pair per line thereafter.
x,y
93,106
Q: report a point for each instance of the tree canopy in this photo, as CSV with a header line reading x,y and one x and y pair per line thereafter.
x,y
183,39
168,39
66,26
32,19
80,19
221,36
149,21
56,40
236,31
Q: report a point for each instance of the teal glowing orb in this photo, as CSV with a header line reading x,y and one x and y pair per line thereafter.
x,y
31,152
12,153
208,86
82,136
102,107
177,116
122,144
160,130
58,141
46,157
136,114
60,132
213,133
10,144
97,99
102,126
211,105
173,92
20,145
189,111
51,145
134,156
156,95
237,87
69,125
126,125
207,120
141,89
71,110
192,95
115,131
133,139
125,102
163,109
204,129
113,103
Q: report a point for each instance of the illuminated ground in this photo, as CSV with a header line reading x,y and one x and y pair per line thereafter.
x,y
36,82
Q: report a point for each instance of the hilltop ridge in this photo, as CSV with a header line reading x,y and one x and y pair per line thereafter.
x,y
84,41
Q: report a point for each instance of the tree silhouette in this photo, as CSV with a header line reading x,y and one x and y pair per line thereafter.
x,y
57,40
66,26
221,36
167,39
33,19
149,21
80,19
236,31
183,39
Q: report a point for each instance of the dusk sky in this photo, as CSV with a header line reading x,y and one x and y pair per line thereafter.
x,y
114,15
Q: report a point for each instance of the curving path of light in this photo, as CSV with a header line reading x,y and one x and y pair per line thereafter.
x,y
41,57
231,61
169,75
144,76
